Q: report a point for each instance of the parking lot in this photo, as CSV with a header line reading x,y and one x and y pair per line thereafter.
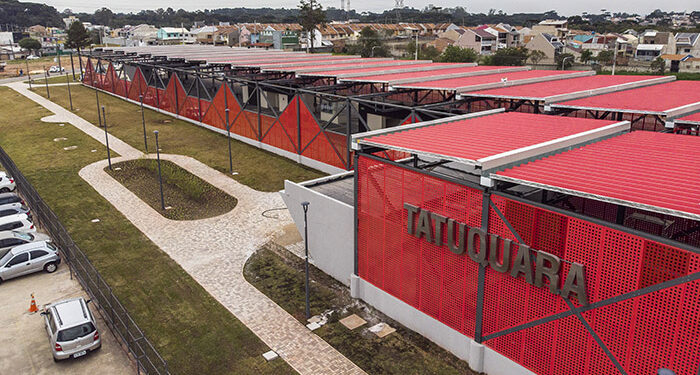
x,y
25,345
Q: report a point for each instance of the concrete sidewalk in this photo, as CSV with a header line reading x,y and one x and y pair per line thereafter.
x,y
214,250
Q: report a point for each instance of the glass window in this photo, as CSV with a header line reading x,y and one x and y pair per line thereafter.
x,y
19,259
25,236
70,334
52,323
5,227
51,246
37,254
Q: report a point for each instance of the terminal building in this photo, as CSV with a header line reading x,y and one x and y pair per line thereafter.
x,y
530,222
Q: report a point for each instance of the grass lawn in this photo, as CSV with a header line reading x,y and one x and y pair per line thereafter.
x,y
189,197
280,276
39,80
193,332
261,170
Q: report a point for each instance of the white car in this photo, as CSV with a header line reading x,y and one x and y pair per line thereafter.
x,y
20,223
32,57
7,183
72,329
57,69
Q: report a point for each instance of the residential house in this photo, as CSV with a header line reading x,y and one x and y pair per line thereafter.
x,y
548,44
480,40
653,44
452,34
441,43
556,28
37,32
173,35
279,39
508,36
690,65
688,43
204,35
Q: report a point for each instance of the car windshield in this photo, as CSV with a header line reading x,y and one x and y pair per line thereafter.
x,y
51,246
4,256
70,334
23,236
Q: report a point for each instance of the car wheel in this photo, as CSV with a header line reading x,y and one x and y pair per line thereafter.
x,y
50,267
54,359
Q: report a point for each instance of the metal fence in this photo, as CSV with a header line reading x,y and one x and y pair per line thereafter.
x,y
148,360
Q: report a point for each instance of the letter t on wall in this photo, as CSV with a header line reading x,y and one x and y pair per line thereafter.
x,y
411,211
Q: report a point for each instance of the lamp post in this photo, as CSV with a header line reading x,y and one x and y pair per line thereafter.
x,y
373,47
160,176
109,158
143,122
305,206
70,97
228,136
29,75
563,62
46,81
97,98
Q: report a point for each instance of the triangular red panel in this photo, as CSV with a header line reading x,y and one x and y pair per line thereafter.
x,y
89,76
110,79
215,115
283,133
138,85
174,93
321,147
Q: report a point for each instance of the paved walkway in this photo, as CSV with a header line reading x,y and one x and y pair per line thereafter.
x,y
213,251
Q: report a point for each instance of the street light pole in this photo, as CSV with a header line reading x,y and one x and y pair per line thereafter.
x,y
109,157
305,206
563,61
143,122
228,136
70,97
29,75
46,81
160,175
97,97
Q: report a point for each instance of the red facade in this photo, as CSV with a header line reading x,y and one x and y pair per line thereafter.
x,y
644,333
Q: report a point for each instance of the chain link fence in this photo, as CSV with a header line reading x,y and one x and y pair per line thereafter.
x,y
148,360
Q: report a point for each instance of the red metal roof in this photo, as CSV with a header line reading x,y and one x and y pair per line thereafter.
x,y
423,74
658,171
652,99
462,82
543,90
690,119
341,64
375,69
474,139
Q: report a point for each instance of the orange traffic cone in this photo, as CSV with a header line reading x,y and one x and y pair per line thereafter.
x,y
32,305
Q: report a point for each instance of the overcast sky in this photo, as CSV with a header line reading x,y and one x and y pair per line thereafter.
x,y
509,6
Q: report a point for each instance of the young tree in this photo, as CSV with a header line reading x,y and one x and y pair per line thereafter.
x,y
78,37
536,56
605,57
369,44
586,56
311,15
30,44
510,56
458,54
564,60
659,65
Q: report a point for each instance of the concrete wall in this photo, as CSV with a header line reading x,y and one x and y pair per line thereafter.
x,y
331,237
479,357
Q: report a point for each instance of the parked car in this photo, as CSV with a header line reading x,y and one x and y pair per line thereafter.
x,y
29,258
72,329
11,239
10,199
7,183
32,57
15,211
57,69
19,223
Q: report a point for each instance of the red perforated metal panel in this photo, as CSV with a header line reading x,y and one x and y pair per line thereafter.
x,y
644,333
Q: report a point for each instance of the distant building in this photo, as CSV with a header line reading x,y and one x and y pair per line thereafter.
x,y
69,21
688,43
172,35
653,44
548,44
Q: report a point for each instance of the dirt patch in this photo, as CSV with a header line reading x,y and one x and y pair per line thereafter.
x,y
279,275
186,196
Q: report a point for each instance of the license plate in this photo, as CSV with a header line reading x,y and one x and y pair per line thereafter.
x,y
80,354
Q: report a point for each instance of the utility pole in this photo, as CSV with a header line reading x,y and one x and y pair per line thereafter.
x,y
416,44
614,57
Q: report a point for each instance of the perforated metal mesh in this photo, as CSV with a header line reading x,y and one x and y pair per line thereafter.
x,y
659,329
